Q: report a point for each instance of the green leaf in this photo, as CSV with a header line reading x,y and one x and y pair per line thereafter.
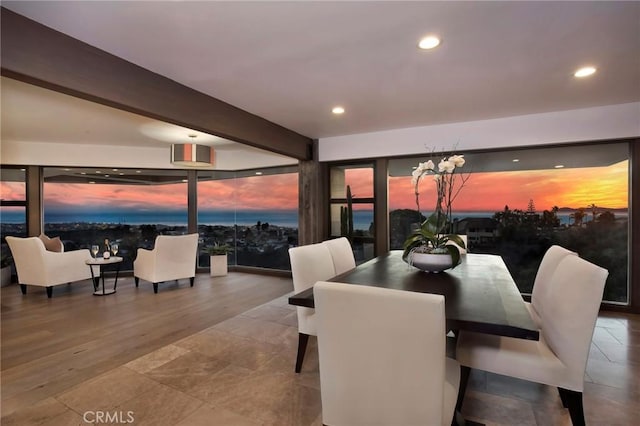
x,y
455,254
456,239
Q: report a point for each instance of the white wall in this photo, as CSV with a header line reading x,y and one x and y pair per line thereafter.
x,y
59,154
589,124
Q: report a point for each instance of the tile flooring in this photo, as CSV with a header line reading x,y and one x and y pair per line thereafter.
x,y
240,372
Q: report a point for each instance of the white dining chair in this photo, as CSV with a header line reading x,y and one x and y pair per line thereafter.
x,y
559,358
382,357
309,263
541,285
342,254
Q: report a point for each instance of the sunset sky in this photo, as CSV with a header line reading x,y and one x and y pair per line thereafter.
x,y
603,186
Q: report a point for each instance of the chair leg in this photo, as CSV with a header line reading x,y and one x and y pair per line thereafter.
x,y
563,398
137,281
464,379
574,404
23,288
49,292
155,288
192,279
303,339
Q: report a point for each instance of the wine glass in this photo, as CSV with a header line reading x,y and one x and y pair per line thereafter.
x,y
94,250
114,248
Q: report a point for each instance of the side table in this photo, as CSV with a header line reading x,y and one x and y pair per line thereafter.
x,y
102,263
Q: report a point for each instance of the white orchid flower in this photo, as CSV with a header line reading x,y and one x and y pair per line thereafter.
x,y
458,160
429,165
446,166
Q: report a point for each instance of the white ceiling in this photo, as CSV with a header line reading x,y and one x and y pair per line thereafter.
x,y
290,62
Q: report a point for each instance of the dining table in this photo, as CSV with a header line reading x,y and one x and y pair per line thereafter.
x,y
480,294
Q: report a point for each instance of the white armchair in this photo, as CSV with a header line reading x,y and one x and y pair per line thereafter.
x,y
37,266
382,357
173,257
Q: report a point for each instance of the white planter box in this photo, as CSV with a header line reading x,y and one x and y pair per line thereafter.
x,y
5,276
219,265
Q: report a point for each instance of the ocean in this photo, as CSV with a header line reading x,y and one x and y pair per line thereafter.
x,y
287,218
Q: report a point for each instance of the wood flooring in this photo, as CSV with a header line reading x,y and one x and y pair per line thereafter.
x,y
223,352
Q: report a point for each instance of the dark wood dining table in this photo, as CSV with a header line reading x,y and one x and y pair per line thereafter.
x,y
480,294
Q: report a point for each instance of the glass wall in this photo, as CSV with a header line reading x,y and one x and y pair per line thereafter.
x,y
13,211
518,203
351,207
255,212
131,207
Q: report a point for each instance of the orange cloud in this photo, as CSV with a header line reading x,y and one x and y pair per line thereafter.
x,y
603,186
13,191
275,192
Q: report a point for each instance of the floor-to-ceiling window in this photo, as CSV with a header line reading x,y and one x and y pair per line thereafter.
x,y
13,202
13,212
351,207
517,203
128,206
254,211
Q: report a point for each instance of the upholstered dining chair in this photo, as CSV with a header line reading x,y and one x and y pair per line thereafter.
x,y
173,258
309,263
342,254
559,358
382,357
40,267
541,284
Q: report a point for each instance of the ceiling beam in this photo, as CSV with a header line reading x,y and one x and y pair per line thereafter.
x,y
39,55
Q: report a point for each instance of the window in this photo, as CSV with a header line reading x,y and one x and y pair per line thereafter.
x,y
13,208
352,207
517,203
254,211
86,206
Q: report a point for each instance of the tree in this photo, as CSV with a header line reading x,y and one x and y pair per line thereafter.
x,y
531,208
606,217
594,211
578,216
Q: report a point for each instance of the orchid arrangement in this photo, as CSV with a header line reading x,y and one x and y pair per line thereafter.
x,y
432,236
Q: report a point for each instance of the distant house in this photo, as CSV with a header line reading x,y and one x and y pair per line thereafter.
x,y
480,231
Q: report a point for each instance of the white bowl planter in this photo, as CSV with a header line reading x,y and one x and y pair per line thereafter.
x,y
431,262
218,265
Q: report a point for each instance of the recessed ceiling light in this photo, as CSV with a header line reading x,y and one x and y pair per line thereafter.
x,y
107,175
559,166
98,171
258,173
429,42
83,173
516,160
67,170
92,181
337,110
115,170
584,72
185,180
138,171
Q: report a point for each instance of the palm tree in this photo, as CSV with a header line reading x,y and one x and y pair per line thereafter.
x,y
594,211
578,216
